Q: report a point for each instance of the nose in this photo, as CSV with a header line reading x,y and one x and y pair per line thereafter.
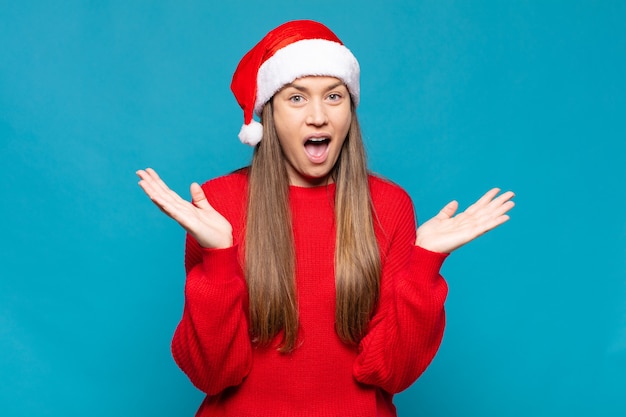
x,y
317,114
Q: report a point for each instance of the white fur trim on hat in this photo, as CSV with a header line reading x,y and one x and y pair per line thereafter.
x,y
303,58
252,133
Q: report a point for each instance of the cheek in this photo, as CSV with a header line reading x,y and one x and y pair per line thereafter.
x,y
285,135
284,124
287,140
347,121
279,126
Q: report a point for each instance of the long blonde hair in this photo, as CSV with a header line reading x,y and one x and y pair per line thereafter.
x,y
269,242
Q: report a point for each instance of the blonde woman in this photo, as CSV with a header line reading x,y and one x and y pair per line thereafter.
x,y
309,290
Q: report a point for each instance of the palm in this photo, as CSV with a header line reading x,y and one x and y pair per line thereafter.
x,y
446,232
197,217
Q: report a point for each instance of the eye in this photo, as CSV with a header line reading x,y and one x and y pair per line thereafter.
x,y
296,99
335,97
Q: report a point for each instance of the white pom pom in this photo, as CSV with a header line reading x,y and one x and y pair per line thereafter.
x,y
251,133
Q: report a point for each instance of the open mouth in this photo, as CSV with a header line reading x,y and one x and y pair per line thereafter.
x,y
316,147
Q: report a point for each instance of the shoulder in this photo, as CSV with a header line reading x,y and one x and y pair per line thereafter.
x,y
228,195
386,192
234,183
392,207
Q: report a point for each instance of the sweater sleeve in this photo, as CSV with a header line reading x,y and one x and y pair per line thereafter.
x,y
407,328
211,343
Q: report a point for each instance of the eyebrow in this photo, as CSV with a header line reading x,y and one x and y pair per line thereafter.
x,y
304,89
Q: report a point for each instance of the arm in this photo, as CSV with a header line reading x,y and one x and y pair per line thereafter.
x,y
406,330
211,343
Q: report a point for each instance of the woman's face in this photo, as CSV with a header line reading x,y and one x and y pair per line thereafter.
x,y
312,117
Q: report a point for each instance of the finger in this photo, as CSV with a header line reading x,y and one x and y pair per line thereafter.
x,y
488,196
483,201
156,179
488,224
502,198
149,176
165,192
490,214
504,208
498,206
448,211
489,201
156,195
160,194
495,222
143,174
151,172
147,173
146,183
198,198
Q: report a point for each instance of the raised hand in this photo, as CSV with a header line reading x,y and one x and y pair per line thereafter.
x,y
197,217
446,232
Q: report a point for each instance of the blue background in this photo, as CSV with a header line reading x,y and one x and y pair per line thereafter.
x,y
457,97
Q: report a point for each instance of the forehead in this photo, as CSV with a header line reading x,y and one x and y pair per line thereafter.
x,y
314,82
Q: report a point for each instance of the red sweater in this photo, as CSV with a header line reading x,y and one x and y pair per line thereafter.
x,y
323,376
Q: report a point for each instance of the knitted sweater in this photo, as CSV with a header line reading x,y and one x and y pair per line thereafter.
x,y
323,376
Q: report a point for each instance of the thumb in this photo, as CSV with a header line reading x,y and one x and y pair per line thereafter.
x,y
197,196
448,211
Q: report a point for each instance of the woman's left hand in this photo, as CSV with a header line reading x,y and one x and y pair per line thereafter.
x,y
446,232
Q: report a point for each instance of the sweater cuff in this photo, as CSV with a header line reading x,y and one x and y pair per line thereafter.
x,y
221,262
428,261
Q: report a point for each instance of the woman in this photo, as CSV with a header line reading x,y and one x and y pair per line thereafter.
x,y
309,292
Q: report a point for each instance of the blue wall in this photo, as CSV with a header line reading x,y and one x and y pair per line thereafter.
x,y
457,97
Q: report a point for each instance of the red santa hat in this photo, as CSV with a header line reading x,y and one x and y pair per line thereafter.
x,y
294,49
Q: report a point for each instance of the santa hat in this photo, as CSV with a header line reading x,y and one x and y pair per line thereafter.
x,y
294,49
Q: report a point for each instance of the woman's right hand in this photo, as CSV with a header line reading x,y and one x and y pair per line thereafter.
x,y
198,218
